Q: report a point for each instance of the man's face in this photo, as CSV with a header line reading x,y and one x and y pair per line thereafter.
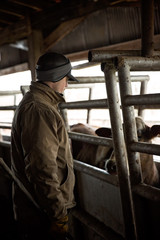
x,y
60,85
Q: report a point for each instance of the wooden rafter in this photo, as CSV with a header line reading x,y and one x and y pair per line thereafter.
x,y
13,12
61,31
14,32
30,4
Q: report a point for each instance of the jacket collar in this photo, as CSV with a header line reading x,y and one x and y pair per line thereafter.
x,y
47,92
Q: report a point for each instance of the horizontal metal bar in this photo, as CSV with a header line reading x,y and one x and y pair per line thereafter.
x,y
139,63
88,104
103,55
84,65
8,107
145,107
98,103
99,79
8,93
96,226
145,148
5,127
147,191
145,99
80,85
91,139
95,172
5,144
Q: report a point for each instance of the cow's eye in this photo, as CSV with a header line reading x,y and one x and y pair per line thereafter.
x,y
139,135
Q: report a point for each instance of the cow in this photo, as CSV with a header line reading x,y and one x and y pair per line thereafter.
x,y
149,169
92,154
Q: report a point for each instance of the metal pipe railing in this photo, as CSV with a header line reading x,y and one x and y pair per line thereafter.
x,y
147,191
128,100
95,172
98,103
99,79
9,93
143,90
5,144
145,99
5,127
139,63
120,152
91,139
145,148
129,123
8,108
104,55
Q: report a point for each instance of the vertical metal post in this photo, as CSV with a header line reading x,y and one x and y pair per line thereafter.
x,y
120,152
131,136
143,90
89,110
147,27
129,122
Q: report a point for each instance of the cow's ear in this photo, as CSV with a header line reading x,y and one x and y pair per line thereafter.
x,y
104,132
155,131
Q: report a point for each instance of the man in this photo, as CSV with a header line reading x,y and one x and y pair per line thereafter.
x,y
40,152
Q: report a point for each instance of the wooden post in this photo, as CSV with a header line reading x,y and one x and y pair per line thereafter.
x,y
35,43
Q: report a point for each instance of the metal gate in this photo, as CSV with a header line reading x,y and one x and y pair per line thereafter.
x,y
135,195
107,199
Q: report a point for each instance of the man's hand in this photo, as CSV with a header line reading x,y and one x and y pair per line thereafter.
x,y
59,229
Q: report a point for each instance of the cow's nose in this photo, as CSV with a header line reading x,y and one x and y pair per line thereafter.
x,y
110,167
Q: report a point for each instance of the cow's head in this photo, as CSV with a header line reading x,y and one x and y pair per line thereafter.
x,y
144,134
103,152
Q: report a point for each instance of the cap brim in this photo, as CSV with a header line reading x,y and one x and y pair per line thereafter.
x,y
71,78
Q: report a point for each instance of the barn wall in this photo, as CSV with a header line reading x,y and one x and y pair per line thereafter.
x,y
10,56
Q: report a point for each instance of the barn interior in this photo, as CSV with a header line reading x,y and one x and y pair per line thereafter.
x,y
97,31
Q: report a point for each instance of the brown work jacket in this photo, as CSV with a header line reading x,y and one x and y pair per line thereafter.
x,y
41,157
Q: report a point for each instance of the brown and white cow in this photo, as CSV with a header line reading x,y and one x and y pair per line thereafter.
x,y
150,172
92,154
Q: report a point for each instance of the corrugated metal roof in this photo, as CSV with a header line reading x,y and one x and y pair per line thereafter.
x,y
106,27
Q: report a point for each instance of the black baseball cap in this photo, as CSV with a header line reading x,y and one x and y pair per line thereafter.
x,y
53,67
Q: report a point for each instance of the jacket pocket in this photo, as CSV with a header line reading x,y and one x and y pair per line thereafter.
x,y
67,186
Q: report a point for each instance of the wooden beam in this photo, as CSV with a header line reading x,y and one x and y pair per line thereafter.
x,y
17,68
29,3
64,29
5,21
12,11
8,18
14,32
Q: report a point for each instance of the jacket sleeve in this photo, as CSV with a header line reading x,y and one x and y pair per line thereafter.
x,y
40,143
